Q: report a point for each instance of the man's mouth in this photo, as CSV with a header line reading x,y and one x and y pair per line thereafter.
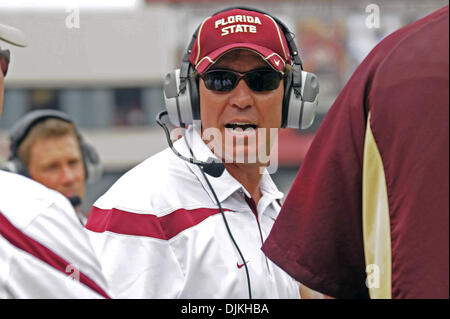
x,y
239,127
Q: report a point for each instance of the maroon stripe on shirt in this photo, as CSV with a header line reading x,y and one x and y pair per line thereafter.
x,y
165,227
31,246
122,222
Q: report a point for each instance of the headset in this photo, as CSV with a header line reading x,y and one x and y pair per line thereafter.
x,y
301,89
20,130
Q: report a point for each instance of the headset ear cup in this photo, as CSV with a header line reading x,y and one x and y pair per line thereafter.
x,y
294,100
178,103
302,107
171,84
310,96
15,165
92,163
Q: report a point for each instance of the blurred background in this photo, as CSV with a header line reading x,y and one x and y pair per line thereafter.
x,y
103,62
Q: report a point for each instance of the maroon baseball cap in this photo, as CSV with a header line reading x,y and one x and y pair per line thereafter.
x,y
239,29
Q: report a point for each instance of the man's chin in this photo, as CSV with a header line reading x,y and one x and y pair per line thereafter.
x,y
239,149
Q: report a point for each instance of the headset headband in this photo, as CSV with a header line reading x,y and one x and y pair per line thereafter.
x,y
301,88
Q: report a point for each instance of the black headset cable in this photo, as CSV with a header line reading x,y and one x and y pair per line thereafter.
x,y
224,219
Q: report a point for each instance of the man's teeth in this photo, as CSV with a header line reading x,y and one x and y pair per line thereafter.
x,y
241,125
241,128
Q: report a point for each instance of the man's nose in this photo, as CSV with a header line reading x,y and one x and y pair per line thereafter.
x,y
67,174
241,96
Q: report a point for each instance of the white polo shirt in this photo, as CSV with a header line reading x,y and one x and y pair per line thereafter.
x,y
44,250
159,234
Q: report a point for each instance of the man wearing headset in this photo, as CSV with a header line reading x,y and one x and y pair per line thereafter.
x,y
187,227
368,214
44,251
46,146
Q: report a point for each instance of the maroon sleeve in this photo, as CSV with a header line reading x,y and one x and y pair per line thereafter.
x,y
317,237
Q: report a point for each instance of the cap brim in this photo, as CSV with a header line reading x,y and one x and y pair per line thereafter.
x,y
12,35
272,58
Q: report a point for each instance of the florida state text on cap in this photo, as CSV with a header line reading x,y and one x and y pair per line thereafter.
x,y
238,28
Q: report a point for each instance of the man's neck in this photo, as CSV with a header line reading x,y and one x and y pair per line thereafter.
x,y
249,176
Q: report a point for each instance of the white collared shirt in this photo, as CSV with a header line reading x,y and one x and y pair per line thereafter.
x,y
159,234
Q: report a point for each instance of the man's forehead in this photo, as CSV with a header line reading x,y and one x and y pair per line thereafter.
x,y
240,55
65,143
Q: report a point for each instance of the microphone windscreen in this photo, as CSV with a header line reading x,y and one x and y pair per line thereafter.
x,y
75,200
213,168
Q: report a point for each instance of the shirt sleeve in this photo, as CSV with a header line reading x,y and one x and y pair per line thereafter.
x,y
317,237
51,256
60,229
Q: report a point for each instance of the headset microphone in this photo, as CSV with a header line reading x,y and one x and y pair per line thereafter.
x,y
74,200
212,166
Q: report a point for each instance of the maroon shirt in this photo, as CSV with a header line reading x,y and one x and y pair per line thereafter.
x,y
318,236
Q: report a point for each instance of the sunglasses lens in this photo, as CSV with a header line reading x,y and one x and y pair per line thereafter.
x,y
221,81
257,80
263,80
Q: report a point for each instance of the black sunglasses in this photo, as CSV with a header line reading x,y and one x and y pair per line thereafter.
x,y
258,80
4,61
